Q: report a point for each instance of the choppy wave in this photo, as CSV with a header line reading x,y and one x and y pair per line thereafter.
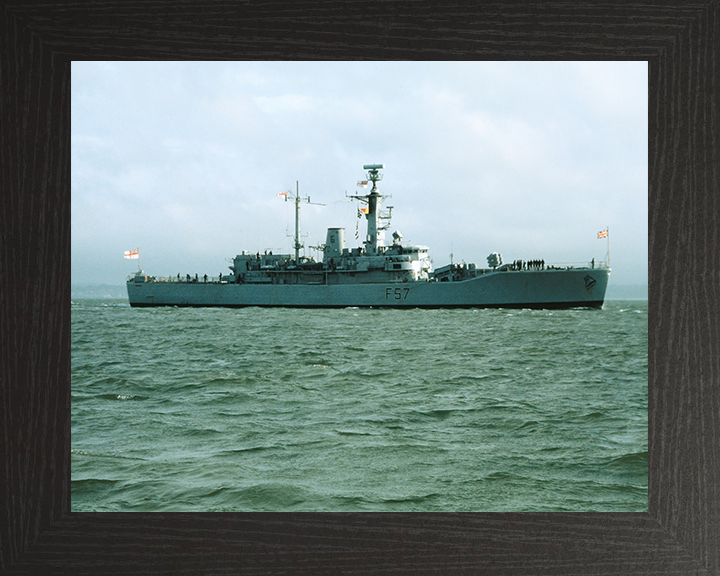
x,y
354,409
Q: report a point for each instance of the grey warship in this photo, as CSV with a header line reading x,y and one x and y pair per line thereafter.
x,y
374,275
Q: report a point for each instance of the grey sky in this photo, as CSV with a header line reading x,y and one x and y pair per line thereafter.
x,y
185,160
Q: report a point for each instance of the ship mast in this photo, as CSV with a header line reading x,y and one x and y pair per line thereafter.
x,y
297,245
375,234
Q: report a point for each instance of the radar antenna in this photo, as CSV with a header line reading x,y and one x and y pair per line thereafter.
x,y
373,173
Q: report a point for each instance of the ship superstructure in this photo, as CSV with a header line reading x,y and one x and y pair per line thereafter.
x,y
374,275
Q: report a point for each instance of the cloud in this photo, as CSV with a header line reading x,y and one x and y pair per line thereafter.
x,y
187,158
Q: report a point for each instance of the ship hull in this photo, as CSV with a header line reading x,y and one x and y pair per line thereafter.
x,y
568,288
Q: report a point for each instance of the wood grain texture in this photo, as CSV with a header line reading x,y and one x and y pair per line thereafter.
x,y
681,532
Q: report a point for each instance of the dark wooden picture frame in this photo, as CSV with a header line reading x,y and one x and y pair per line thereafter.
x,y
681,532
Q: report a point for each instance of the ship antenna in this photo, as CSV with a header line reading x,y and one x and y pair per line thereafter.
x,y
607,259
297,200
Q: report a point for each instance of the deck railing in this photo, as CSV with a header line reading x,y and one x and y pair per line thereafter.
x,y
225,279
185,280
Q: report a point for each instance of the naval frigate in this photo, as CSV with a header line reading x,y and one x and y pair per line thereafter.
x,y
374,275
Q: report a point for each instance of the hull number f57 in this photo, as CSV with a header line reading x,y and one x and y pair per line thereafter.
x,y
396,293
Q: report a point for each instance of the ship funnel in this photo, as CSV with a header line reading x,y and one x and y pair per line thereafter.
x,y
334,244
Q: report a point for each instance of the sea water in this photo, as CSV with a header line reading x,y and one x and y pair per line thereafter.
x,y
272,409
